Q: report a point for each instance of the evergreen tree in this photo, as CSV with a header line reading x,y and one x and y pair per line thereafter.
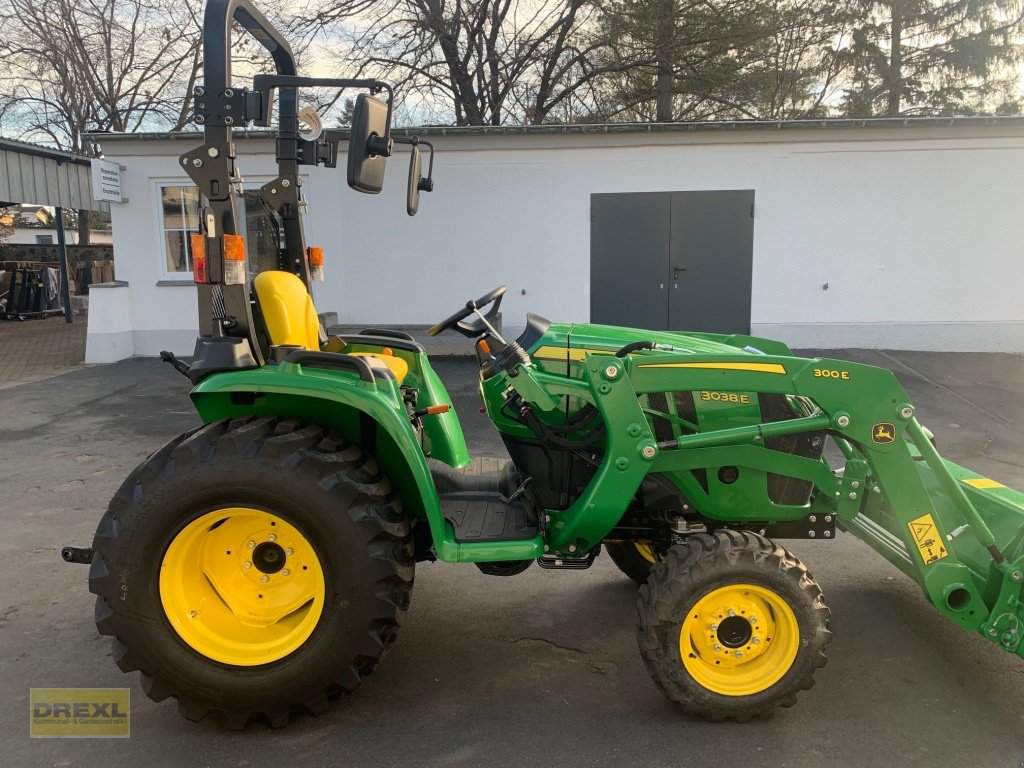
x,y
935,57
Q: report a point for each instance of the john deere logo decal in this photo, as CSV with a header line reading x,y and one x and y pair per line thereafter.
x,y
883,433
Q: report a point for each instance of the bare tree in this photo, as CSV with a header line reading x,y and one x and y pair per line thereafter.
x,y
73,66
490,60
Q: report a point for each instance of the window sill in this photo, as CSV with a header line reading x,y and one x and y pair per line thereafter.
x,y
165,283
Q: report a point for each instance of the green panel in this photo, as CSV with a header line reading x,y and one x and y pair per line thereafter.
x,y
443,437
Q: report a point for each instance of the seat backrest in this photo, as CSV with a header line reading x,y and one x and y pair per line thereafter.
x,y
287,308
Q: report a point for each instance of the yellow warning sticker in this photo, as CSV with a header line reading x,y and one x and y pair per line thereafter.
x,y
983,483
928,539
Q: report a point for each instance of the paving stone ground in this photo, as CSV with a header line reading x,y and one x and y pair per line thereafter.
x,y
35,349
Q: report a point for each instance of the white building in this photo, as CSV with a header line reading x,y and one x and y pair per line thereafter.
x,y
901,234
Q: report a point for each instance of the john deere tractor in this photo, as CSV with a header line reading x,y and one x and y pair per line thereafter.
x,y
261,565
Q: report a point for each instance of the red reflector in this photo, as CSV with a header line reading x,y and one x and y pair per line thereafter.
x,y
198,243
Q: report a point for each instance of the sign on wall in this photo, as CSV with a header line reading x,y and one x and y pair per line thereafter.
x,y
106,181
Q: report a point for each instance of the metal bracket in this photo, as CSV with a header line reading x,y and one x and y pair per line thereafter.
x,y
1004,626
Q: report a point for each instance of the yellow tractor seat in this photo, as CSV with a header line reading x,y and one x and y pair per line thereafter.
x,y
290,318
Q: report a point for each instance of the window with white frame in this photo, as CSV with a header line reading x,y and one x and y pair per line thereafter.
x,y
180,206
180,212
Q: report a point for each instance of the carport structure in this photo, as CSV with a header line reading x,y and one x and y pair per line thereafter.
x,y
39,175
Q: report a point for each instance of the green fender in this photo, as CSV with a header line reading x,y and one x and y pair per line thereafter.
x,y
370,414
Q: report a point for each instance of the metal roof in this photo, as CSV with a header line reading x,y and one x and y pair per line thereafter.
x,y
38,175
727,126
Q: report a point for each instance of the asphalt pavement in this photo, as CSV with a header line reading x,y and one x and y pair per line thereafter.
x,y
536,669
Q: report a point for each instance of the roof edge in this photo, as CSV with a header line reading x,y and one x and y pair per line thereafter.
x,y
726,126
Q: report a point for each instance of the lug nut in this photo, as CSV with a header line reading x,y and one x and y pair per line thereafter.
x,y
264,579
247,564
756,641
193,614
753,619
732,612
714,627
739,654
718,647
272,537
285,572
289,551
250,544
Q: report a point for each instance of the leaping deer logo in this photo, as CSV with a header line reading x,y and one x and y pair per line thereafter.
x,y
883,433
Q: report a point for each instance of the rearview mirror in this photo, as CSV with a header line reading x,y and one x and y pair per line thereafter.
x,y
412,197
367,153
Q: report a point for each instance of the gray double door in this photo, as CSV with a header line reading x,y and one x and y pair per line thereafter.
x,y
672,260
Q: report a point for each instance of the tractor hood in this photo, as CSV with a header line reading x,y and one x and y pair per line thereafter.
x,y
573,341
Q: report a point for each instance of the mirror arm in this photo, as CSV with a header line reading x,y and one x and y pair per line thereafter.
x,y
266,83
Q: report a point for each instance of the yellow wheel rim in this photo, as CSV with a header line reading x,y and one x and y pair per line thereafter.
x,y
739,640
647,552
242,586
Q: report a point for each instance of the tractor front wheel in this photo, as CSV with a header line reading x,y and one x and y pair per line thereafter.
x,y
731,626
634,558
252,569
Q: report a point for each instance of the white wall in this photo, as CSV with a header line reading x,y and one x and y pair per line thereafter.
x,y
915,231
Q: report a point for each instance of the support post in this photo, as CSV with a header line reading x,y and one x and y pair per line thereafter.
x,y
62,253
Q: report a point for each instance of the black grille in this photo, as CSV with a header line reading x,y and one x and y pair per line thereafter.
x,y
811,445
662,426
686,410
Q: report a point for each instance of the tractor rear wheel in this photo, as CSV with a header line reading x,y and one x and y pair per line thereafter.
x,y
731,626
252,569
634,558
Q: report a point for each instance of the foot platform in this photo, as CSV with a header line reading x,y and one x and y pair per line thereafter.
x,y
475,502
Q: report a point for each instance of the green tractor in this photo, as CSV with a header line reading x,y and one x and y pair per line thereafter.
x,y
262,564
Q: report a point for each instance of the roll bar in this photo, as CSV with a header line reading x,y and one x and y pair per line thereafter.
x,y
219,107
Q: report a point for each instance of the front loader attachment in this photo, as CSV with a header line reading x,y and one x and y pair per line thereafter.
x,y
963,542
959,535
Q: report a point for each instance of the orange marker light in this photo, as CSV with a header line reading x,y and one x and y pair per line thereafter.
x,y
433,410
198,243
315,256
234,248
483,345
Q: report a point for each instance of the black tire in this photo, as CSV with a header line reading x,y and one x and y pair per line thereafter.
x,y
713,563
627,557
313,480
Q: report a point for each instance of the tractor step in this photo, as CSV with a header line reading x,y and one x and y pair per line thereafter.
x,y
480,517
477,502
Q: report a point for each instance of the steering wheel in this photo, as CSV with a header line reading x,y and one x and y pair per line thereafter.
x,y
477,327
